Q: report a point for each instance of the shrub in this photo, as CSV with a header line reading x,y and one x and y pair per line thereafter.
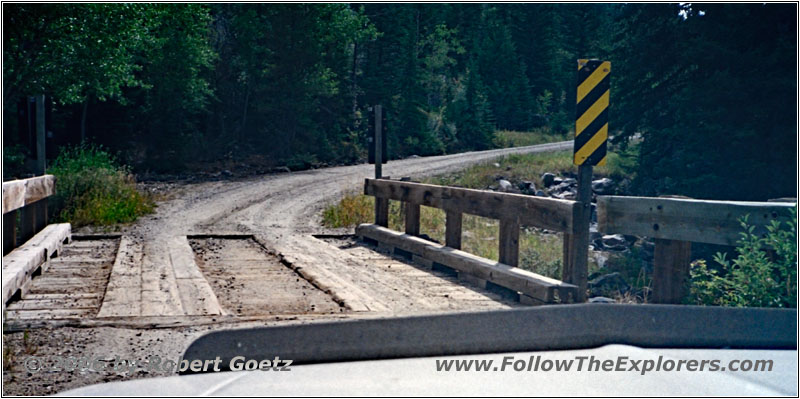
x,y
352,210
764,274
91,188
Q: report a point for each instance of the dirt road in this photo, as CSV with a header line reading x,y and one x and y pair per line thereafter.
x,y
265,220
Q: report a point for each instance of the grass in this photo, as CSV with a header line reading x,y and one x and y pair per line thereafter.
x,y
510,138
92,189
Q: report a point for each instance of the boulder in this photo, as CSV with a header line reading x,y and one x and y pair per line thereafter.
x,y
601,299
540,193
570,181
527,187
608,284
604,186
504,185
548,179
615,242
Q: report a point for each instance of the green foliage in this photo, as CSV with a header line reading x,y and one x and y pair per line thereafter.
x,y
92,189
687,81
73,51
13,161
510,138
764,274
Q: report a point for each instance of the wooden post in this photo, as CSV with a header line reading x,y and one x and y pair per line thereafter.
x,y
576,245
453,229
40,210
670,270
9,231
509,242
412,219
40,135
27,222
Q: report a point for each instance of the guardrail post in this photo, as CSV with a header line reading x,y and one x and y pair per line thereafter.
x,y
453,229
509,242
382,211
9,231
412,219
27,222
670,269
576,245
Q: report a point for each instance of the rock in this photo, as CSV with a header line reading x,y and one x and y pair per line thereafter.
x,y
608,284
496,165
615,242
548,179
281,169
570,181
413,157
559,188
226,172
604,186
527,187
504,185
601,299
405,178
540,193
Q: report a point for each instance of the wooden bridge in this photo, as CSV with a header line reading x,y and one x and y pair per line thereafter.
x,y
70,289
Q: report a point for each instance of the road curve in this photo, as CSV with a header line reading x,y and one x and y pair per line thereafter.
x,y
282,210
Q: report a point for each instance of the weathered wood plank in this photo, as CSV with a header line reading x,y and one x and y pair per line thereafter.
x,y
548,213
509,242
670,270
19,193
534,285
13,195
20,263
412,218
713,222
182,258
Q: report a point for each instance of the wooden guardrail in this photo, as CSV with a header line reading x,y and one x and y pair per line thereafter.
x,y
26,197
512,210
675,223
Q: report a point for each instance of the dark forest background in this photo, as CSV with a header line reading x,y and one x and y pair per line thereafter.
x,y
708,90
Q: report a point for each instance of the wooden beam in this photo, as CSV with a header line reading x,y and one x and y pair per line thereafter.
x,y
547,213
19,265
509,242
412,218
19,193
453,229
712,222
534,285
670,270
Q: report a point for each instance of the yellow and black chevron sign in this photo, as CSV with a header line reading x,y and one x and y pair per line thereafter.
x,y
591,125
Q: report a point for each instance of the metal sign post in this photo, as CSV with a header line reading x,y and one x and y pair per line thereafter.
x,y
591,137
378,142
378,155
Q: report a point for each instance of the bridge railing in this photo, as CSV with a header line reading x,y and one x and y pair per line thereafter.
x,y
512,210
25,199
675,223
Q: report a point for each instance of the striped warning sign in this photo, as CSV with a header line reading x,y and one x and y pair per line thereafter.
x,y
591,125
